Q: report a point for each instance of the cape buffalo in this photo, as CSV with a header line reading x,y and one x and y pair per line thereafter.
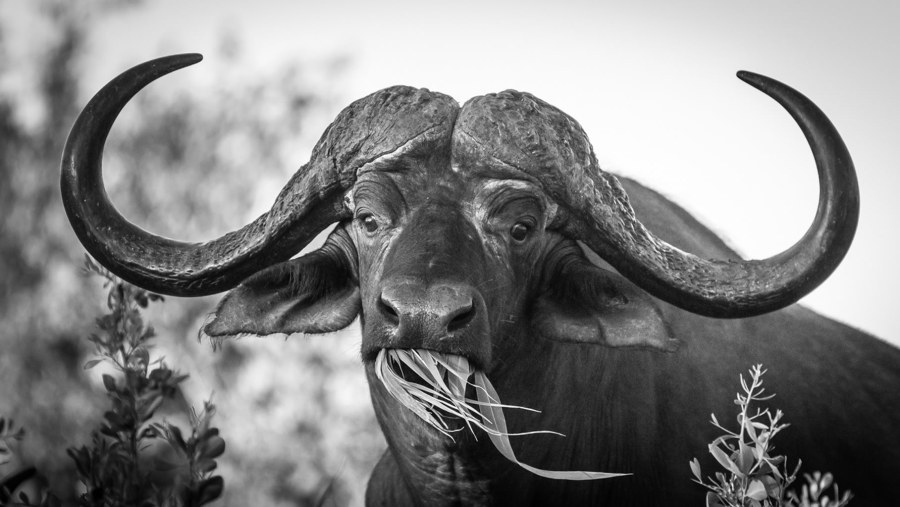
x,y
487,231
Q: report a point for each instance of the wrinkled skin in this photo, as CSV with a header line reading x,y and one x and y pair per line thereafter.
x,y
453,251
504,277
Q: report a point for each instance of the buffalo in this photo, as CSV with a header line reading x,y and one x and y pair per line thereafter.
x,y
487,231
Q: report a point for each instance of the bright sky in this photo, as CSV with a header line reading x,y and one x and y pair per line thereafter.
x,y
652,83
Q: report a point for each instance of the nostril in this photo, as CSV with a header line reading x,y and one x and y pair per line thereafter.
x,y
461,317
388,310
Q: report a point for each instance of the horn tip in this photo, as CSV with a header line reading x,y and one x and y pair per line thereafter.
x,y
749,77
763,83
186,59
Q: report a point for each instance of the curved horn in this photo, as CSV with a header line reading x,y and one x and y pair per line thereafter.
x,y
306,206
745,288
370,134
524,137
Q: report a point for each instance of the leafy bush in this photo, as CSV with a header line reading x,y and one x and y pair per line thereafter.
x,y
754,477
13,474
172,133
134,459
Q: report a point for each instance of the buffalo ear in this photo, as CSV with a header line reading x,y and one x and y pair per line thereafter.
x,y
584,303
317,293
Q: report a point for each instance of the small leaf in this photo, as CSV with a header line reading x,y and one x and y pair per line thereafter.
x,y
773,488
759,452
176,439
160,374
756,490
744,458
212,448
211,432
723,441
93,362
210,489
712,500
827,480
695,468
751,430
206,465
109,383
724,460
774,470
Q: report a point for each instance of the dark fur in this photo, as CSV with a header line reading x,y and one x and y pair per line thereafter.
x,y
641,409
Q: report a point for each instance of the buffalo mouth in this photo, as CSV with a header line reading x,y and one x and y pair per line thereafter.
x,y
439,389
446,391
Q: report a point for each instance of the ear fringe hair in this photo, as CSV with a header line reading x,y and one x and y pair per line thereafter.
x,y
582,284
217,342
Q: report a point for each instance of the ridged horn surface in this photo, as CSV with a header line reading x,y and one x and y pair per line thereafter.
x,y
380,127
530,139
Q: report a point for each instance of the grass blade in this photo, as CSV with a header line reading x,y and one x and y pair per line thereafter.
x,y
442,393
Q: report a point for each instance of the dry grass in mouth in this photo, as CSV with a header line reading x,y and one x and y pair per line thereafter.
x,y
442,391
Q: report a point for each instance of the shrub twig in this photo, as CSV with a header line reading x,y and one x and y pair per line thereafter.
x,y
134,459
754,476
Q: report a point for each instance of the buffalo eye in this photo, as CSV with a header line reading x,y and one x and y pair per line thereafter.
x,y
369,223
519,231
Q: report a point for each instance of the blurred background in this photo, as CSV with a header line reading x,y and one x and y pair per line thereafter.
x,y
205,150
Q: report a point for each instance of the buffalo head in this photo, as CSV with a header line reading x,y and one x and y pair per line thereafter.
x,y
461,230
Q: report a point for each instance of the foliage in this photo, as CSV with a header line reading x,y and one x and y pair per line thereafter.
x,y
112,469
10,437
45,307
814,492
8,431
189,161
134,459
755,477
